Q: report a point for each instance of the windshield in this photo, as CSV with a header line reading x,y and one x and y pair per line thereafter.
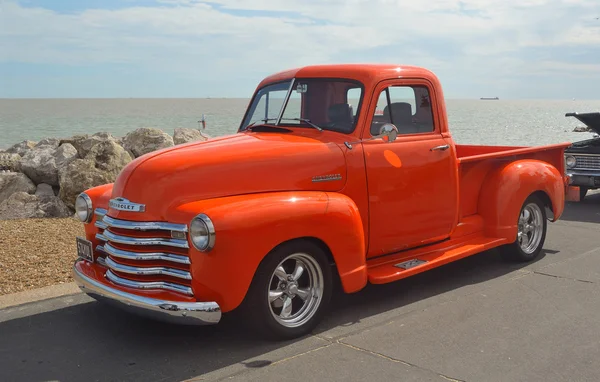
x,y
314,103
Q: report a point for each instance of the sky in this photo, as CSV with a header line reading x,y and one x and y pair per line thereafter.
x,y
518,49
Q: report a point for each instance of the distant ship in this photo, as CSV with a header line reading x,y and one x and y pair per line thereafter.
x,y
490,98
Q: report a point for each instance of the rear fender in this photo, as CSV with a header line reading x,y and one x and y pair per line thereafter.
x,y
506,188
248,227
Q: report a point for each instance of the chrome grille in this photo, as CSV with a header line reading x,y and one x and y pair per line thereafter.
x,y
144,255
587,162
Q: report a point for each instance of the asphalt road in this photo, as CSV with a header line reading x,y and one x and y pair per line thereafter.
x,y
480,319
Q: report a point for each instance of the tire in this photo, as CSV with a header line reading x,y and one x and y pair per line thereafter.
x,y
287,290
532,226
582,193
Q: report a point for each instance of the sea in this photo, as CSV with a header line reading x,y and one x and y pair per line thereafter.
x,y
471,121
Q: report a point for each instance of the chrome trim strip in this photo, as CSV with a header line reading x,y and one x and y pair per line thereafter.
x,y
143,226
147,271
100,212
199,313
180,259
109,236
148,285
100,224
578,172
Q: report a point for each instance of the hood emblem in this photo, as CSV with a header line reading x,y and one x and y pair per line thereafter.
x,y
326,178
123,204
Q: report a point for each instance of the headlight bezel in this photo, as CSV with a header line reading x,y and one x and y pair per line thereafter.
x,y
574,161
207,225
88,207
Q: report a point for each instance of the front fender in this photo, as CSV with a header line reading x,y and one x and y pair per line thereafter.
x,y
506,188
248,227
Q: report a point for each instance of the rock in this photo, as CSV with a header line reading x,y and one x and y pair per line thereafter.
x,y
49,142
21,205
185,135
21,148
101,165
84,143
44,191
43,162
12,182
10,162
145,140
582,129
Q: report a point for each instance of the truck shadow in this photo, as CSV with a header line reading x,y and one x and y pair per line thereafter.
x,y
586,211
92,341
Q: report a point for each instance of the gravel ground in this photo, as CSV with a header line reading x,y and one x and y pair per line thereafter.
x,y
36,252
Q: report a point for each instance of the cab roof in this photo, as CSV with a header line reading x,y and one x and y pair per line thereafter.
x,y
368,74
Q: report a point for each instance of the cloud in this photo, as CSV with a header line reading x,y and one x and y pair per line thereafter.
x,y
480,41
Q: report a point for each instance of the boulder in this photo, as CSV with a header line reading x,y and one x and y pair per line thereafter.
x,y
49,142
185,135
43,162
21,205
11,182
10,162
44,190
84,143
145,140
101,165
21,148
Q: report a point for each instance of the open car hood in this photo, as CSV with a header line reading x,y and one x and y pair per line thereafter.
x,y
591,120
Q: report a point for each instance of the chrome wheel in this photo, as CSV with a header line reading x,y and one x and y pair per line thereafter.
x,y
295,290
531,227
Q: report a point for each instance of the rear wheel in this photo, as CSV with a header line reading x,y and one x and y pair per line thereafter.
x,y
531,233
290,291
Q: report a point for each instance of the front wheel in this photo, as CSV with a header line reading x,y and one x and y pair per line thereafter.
x,y
290,291
531,234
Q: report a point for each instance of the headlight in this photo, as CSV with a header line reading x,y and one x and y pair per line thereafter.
x,y
202,233
83,207
570,161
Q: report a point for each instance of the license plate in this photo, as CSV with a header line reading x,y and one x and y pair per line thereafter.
x,y
84,249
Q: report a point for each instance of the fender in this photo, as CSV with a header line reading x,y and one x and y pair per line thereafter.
x,y
248,227
505,189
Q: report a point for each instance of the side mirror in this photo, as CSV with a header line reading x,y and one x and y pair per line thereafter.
x,y
388,132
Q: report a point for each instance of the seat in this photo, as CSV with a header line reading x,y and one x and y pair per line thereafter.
x,y
341,117
401,115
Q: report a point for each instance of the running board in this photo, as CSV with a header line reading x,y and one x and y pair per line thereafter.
x,y
409,263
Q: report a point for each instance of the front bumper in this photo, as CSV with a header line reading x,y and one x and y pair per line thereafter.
x,y
584,178
190,313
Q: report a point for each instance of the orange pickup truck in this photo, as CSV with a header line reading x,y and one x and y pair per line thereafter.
x,y
337,173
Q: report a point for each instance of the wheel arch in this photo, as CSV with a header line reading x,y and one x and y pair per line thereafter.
x,y
506,188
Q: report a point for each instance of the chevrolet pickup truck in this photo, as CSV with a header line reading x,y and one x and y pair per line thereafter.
x,y
337,174
583,157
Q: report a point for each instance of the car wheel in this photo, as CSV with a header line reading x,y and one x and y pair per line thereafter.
x,y
582,193
290,291
531,233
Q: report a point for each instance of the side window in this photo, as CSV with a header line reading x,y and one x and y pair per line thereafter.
x,y
407,107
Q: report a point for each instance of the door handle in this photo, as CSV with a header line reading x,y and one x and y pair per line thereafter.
x,y
440,148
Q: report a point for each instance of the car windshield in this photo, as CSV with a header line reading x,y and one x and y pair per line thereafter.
x,y
314,103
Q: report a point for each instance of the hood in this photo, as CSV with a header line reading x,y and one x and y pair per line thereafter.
x,y
587,146
591,120
242,163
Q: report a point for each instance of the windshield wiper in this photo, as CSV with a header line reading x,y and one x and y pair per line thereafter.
x,y
305,121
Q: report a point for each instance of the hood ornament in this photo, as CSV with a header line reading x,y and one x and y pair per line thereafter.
x,y
123,204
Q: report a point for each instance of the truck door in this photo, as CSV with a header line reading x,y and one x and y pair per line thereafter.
x,y
412,181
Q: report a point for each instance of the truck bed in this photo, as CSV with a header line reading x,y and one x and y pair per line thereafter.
x,y
476,161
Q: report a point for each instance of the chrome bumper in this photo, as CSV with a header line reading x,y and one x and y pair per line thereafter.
x,y
190,313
